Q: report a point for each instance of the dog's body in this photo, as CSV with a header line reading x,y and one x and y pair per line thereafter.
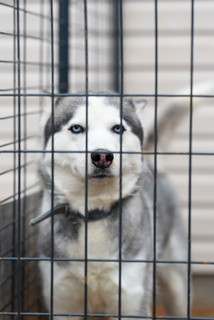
x,y
118,188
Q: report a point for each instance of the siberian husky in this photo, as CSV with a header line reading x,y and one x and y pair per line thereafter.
x,y
102,180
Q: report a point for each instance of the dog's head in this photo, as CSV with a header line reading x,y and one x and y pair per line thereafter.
x,y
99,141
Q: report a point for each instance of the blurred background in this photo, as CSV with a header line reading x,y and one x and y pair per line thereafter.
x,y
30,68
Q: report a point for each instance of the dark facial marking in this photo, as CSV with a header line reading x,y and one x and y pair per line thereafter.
x,y
65,108
129,115
63,112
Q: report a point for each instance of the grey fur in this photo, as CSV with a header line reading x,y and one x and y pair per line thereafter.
x,y
128,114
63,112
137,233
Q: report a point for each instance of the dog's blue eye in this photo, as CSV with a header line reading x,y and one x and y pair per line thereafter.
x,y
118,129
76,128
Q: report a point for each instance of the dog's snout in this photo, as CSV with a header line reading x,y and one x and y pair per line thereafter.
x,y
102,158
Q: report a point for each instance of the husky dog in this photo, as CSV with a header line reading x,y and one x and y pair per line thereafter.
x,y
99,170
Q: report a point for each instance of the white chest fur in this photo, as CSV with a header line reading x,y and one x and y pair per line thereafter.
x,y
102,280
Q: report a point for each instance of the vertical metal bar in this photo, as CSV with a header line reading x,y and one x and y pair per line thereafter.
x,y
48,54
121,163
41,74
41,52
155,160
116,58
190,161
86,160
52,163
63,46
14,158
19,168
25,154
97,52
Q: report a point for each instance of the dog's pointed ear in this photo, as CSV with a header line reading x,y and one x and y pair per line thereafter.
x,y
139,106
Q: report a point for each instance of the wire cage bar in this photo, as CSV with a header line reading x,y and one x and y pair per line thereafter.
x,y
64,46
72,48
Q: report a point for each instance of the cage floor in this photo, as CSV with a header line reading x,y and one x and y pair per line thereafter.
x,y
204,312
196,312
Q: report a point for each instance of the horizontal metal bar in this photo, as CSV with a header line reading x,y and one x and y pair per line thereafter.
x,y
10,34
7,252
25,88
14,221
6,279
176,153
99,315
104,260
29,63
166,32
5,306
32,234
179,67
9,224
39,15
19,115
129,68
136,1
17,141
16,168
21,192
107,94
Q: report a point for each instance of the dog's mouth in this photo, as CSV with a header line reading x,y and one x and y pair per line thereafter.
x,y
101,175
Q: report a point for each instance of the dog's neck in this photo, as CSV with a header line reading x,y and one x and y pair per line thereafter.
x,y
64,209
100,197
73,191
93,215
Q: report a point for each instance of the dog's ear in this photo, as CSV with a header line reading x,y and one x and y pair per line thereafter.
x,y
139,106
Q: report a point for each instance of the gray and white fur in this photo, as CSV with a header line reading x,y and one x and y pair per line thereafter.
x,y
104,131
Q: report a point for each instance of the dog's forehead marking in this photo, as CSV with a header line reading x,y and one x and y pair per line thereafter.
x,y
97,110
103,111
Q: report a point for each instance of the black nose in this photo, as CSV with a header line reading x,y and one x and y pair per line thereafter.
x,y
102,158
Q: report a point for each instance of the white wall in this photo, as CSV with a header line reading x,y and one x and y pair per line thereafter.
x,y
174,28
174,52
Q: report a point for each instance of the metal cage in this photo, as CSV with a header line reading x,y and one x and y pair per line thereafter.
x,y
56,48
